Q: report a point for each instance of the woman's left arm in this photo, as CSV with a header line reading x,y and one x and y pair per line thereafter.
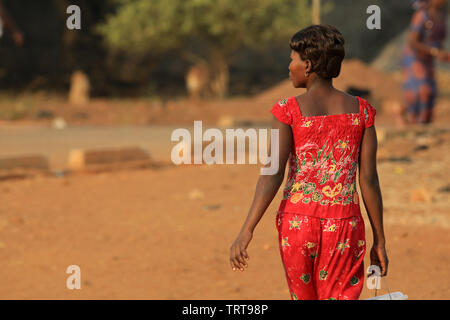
x,y
266,189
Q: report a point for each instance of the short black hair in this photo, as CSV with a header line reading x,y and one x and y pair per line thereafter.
x,y
323,44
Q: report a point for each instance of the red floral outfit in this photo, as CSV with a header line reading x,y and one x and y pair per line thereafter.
x,y
320,227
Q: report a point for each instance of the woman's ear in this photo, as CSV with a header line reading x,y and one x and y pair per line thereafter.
x,y
308,66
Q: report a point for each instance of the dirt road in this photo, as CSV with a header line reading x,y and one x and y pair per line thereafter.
x,y
165,234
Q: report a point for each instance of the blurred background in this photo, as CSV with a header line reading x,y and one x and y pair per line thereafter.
x,y
86,118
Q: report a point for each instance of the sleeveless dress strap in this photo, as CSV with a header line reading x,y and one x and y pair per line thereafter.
x,y
295,108
360,105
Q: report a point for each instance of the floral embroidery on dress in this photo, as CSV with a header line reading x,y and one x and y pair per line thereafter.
x,y
297,186
305,277
309,188
327,169
353,223
296,197
309,249
322,265
354,280
343,144
331,193
323,162
323,274
359,254
317,196
342,246
295,224
309,245
307,124
306,200
329,226
285,243
282,102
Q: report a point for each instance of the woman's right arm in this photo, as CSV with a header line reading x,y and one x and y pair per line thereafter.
x,y
415,43
417,27
371,194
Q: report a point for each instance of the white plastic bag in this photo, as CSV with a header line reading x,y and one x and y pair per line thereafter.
x,y
391,296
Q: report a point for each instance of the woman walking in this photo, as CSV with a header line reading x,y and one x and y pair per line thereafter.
x,y
324,135
427,32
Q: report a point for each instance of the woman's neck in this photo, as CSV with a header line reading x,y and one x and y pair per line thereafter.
x,y
320,85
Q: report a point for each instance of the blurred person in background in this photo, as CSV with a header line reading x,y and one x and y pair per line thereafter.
x,y
427,33
7,22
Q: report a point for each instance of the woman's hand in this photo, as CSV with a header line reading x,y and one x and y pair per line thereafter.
x,y
447,57
379,257
443,56
18,38
238,252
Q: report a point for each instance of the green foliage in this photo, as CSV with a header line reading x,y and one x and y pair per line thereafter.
x,y
160,25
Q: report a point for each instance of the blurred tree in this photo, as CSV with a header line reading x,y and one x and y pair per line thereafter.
x,y
203,31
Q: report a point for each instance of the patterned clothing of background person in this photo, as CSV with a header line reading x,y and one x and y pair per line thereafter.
x,y
427,32
6,22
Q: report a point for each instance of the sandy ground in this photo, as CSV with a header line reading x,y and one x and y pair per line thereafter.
x,y
165,234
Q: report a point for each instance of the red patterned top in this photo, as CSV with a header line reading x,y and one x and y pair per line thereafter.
x,y
323,160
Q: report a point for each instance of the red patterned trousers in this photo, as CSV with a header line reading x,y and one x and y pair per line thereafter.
x,y
322,258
